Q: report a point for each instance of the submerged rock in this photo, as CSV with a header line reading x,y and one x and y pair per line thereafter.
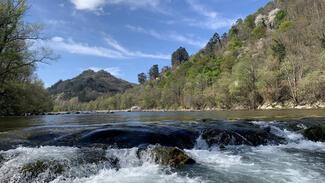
x,y
168,156
316,133
96,156
50,169
239,133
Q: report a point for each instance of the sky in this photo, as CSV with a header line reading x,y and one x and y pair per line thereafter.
x,y
127,37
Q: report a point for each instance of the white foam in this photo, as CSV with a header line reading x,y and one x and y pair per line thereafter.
x,y
215,158
147,173
132,168
201,143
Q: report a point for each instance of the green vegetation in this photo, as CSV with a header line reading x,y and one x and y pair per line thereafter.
x,y
88,86
20,91
276,56
179,57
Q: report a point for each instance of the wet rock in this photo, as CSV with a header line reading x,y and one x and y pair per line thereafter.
x,y
96,156
51,168
2,160
239,133
128,137
169,156
316,133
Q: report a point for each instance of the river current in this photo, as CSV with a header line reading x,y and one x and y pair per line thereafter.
x,y
45,149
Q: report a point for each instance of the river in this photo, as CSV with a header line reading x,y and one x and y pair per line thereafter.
x,y
104,148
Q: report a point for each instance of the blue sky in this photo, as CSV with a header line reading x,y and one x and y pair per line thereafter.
x,y
126,37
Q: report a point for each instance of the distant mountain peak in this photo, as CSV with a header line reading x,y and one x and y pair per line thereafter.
x,y
89,85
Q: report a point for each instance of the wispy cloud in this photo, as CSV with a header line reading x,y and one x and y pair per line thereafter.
x,y
115,71
211,19
115,50
173,36
93,5
129,53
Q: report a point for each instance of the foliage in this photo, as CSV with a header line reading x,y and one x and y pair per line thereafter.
x,y
240,70
285,26
20,91
279,50
259,32
250,21
89,85
154,72
142,78
179,57
280,16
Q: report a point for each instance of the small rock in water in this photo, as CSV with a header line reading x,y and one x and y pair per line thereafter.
x,y
241,133
96,156
169,156
316,133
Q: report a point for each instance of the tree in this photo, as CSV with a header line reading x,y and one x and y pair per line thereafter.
x,y
154,72
18,58
179,57
142,78
214,44
279,50
250,21
16,38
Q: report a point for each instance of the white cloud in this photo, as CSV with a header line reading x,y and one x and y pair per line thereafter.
x,y
70,46
128,53
190,40
115,51
88,4
115,71
212,19
92,5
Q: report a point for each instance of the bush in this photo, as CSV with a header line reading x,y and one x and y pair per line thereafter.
x,y
259,32
285,26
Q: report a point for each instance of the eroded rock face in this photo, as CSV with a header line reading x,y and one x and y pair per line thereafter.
x,y
316,133
167,156
239,134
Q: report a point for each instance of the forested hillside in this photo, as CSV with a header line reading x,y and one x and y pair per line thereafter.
x,y
88,86
273,57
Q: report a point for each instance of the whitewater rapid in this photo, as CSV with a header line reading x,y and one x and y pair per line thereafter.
x,y
297,161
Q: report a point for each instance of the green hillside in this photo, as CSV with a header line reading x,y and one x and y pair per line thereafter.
x,y
88,86
273,57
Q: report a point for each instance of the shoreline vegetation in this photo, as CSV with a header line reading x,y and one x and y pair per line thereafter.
x,y
137,109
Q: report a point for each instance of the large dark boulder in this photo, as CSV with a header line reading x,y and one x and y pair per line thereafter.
x,y
316,133
239,133
167,156
128,137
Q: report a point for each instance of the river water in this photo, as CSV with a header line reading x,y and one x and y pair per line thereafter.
x,y
86,148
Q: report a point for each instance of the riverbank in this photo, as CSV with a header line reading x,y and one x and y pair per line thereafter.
x,y
273,106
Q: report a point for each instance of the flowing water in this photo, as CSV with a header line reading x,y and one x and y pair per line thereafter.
x,y
70,148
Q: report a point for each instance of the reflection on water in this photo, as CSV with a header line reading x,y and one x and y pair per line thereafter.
x,y
11,123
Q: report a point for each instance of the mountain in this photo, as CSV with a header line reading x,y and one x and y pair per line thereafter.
x,y
274,58
88,86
